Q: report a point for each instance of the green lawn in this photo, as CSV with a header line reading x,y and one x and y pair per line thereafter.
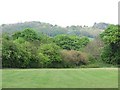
x,y
60,78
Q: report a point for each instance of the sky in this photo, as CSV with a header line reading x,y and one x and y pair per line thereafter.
x,y
60,12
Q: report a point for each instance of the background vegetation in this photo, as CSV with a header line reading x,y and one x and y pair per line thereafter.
x,y
29,48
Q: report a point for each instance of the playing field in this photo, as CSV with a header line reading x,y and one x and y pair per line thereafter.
x,y
60,78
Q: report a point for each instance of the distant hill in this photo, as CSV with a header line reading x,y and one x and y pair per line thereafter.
x,y
53,30
101,25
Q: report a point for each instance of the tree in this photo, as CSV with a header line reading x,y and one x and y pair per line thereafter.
x,y
14,56
111,37
70,42
27,34
52,54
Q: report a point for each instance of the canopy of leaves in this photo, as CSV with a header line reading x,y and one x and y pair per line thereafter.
x,y
14,55
70,42
111,34
51,54
27,34
111,37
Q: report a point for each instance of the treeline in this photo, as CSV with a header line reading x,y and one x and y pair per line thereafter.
x,y
29,49
53,30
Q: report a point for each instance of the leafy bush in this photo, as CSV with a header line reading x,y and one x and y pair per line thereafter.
x,y
52,52
73,58
70,42
27,34
14,56
111,52
109,56
44,60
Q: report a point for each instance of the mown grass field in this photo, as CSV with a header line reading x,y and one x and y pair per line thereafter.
x,y
60,78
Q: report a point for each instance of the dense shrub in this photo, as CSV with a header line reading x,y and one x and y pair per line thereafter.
x,y
14,56
27,34
70,42
44,60
39,61
110,56
72,58
111,37
52,53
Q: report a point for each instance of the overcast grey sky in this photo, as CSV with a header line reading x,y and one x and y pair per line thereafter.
x,y
60,12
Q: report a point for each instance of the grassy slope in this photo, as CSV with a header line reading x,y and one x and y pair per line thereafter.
x,y
60,78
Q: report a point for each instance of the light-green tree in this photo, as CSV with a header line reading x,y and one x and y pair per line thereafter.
x,y
52,53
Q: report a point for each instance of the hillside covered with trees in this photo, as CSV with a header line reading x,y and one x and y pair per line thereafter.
x,y
53,30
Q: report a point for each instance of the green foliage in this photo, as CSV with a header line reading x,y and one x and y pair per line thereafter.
x,y
29,49
27,34
44,60
6,36
53,30
51,52
19,40
111,37
111,34
45,39
70,42
14,56
111,56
